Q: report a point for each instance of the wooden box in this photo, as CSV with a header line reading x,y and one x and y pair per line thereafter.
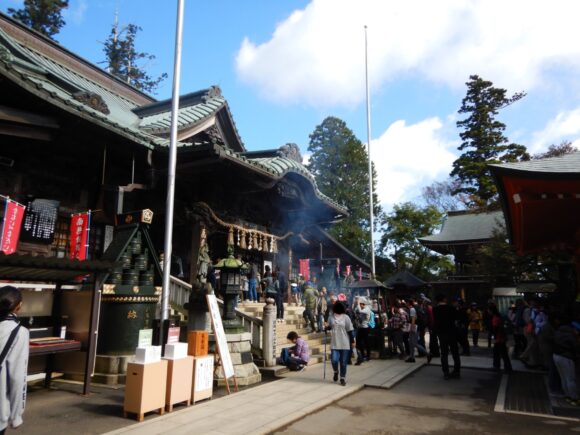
x,y
202,387
198,343
179,381
145,388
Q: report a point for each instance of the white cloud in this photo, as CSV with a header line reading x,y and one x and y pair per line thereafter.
x,y
408,157
316,55
565,126
76,12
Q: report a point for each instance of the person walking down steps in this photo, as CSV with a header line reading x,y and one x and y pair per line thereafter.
x,y
341,341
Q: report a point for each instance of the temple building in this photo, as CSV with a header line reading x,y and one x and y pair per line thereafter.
x,y
541,203
74,138
461,234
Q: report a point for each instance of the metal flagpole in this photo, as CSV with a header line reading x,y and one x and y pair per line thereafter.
x,y
171,174
369,152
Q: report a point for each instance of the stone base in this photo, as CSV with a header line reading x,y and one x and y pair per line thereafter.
x,y
247,373
111,369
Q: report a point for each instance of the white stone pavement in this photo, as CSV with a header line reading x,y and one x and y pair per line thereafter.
x,y
268,407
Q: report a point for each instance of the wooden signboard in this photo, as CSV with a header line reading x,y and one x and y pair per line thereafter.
x,y
221,341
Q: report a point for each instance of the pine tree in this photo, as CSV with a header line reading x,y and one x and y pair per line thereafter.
x,y
45,16
123,59
339,162
483,140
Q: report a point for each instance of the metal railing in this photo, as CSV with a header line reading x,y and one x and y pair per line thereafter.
x,y
179,292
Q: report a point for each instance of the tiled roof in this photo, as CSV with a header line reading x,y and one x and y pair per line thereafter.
x,y
566,164
279,166
188,116
49,80
466,227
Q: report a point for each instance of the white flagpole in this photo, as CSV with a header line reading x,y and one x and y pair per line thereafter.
x,y
372,217
171,173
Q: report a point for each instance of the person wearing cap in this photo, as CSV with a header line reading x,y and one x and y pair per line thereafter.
x,y
413,334
362,313
475,323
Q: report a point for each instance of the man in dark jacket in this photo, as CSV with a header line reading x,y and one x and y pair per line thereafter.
x,y
445,317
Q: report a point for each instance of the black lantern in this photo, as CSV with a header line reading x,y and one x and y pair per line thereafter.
x,y
231,270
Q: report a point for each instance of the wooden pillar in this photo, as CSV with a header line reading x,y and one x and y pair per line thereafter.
x,y
195,245
289,292
93,333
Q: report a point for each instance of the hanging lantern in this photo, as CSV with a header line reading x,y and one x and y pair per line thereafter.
x,y
231,237
255,240
243,240
238,237
271,244
250,241
264,244
274,245
259,242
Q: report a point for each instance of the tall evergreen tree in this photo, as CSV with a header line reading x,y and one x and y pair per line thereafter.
x,y
44,16
339,161
483,140
123,59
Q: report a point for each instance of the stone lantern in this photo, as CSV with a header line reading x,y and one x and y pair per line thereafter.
x,y
231,270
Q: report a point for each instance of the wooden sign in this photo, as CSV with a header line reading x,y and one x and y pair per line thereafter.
x,y
221,340
40,221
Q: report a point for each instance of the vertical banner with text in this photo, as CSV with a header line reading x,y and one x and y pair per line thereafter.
x,y
305,269
11,226
79,235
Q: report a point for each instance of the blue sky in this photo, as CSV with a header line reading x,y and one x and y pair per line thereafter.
x,y
284,66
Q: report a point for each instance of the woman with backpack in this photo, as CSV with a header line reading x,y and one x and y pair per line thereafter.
x,y
14,341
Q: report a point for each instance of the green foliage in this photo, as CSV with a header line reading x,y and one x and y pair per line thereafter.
x,y
123,59
499,262
339,162
483,141
403,226
44,16
565,147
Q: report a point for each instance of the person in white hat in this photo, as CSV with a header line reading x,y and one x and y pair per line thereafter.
x,y
362,314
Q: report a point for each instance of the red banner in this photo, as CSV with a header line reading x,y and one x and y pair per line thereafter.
x,y
305,269
11,227
79,225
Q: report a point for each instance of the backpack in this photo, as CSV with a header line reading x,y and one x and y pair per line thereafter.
x,y
372,323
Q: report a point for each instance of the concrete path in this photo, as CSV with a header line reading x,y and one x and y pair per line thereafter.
x,y
274,405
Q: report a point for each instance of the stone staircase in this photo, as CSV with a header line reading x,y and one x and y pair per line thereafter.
x,y
293,321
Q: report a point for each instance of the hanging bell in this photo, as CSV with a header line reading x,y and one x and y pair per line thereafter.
x,y
243,240
231,237
250,241
258,242
274,245
264,244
